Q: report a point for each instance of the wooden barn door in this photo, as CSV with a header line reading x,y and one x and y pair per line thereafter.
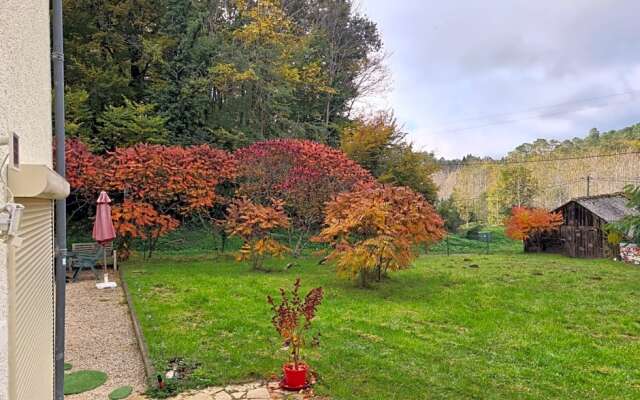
x,y
568,235
581,243
589,242
597,241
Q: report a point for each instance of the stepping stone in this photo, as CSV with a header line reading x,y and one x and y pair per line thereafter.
x,y
121,393
83,381
258,394
213,390
223,396
200,396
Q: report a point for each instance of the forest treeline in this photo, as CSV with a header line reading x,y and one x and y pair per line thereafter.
x,y
221,72
545,173
230,73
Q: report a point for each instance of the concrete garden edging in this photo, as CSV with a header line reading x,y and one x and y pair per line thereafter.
x,y
142,344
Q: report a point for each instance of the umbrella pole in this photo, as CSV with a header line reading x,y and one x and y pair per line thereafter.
x,y
104,262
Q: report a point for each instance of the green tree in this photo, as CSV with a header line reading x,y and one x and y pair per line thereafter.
x,y
370,141
630,225
378,144
126,125
450,214
226,73
413,169
113,50
349,46
515,187
78,115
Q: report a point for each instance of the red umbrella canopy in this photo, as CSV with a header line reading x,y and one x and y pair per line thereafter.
x,y
103,230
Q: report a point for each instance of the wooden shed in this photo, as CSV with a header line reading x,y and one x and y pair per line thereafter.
x,y
582,232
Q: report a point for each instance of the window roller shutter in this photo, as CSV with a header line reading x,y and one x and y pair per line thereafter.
x,y
32,311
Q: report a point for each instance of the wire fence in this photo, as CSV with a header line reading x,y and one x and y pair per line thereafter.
x,y
484,243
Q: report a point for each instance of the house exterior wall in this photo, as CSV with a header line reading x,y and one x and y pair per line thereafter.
x,y
25,108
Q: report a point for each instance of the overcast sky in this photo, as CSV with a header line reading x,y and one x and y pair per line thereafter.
x,y
454,61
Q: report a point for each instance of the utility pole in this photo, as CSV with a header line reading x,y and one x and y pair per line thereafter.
x,y
588,185
519,201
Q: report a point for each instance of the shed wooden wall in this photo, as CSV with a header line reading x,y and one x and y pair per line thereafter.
x,y
582,233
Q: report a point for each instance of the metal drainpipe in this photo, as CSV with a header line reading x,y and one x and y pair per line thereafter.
x,y
61,205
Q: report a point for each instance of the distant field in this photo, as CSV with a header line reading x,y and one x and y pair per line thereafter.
x,y
500,326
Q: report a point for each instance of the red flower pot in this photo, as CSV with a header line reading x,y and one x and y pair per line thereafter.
x,y
295,379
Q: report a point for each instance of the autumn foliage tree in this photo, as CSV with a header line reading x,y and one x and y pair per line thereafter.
x,y
142,221
84,172
530,223
375,230
255,225
303,174
378,144
153,187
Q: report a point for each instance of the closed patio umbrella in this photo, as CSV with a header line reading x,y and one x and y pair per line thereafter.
x,y
103,230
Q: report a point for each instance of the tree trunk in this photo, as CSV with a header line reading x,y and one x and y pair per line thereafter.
x,y
363,278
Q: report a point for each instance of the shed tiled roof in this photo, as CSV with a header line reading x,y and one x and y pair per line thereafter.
x,y
610,207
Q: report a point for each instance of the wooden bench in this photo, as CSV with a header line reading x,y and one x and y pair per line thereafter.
x,y
85,256
88,249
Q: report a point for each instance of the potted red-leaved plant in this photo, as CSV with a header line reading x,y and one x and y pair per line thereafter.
x,y
292,318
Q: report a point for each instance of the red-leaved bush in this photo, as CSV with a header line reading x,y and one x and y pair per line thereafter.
x,y
152,186
85,174
304,174
174,179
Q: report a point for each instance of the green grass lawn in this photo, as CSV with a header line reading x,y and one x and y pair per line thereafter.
x,y
517,327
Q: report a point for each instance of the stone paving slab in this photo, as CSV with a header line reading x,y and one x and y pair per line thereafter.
x,y
249,391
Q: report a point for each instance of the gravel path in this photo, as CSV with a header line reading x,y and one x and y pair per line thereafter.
x,y
99,335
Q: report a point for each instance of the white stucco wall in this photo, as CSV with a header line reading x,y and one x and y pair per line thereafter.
x,y
25,108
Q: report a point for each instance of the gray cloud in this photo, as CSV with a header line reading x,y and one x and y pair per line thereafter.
x,y
460,59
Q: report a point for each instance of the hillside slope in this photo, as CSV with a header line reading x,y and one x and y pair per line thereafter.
x,y
596,164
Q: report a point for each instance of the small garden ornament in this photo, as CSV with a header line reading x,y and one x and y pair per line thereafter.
x,y
292,318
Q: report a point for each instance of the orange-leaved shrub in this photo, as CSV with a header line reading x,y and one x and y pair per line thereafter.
x,y
142,221
152,187
174,181
255,225
530,223
376,229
